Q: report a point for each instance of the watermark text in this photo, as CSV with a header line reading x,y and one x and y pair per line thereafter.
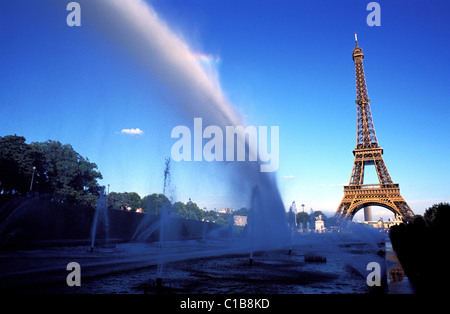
x,y
240,144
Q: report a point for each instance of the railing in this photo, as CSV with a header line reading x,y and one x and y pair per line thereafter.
x,y
371,186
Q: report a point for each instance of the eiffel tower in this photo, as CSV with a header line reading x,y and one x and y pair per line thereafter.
x,y
358,195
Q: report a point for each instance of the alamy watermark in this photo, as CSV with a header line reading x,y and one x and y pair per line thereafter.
x,y
239,142
374,277
374,17
74,277
74,17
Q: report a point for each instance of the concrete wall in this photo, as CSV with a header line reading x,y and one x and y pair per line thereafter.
x,y
43,222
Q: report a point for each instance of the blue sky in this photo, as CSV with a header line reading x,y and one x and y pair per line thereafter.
x,y
280,63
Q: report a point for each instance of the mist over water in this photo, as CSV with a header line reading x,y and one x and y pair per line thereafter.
x,y
136,28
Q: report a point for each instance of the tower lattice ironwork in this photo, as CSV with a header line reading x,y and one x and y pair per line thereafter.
x,y
358,195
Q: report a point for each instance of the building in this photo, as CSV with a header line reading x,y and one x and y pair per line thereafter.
x,y
240,220
381,224
225,211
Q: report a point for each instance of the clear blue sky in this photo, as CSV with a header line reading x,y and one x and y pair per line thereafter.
x,y
280,63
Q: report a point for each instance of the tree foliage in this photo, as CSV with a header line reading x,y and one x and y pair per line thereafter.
x,y
128,200
421,245
16,164
190,210
302,219
153,203
55,169
437,215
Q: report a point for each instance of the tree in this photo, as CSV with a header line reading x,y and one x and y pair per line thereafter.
x,y
65,173
179,210
152,204
243,211
421,246
190,210
303,218
331,221
437,215
212,215
194,212
57,170
124,200
317,213
16,164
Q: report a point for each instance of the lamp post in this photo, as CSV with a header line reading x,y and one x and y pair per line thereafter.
x,y
32,179
189,207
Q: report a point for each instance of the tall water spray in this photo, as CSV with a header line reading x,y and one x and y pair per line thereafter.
x,y
164,219
164,216
148,226
196,92
166,174
252,219
100,218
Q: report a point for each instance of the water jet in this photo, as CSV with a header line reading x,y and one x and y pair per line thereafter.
x,y
100,218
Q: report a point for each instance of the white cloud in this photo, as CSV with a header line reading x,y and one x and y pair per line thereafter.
x,y
288,177
136,131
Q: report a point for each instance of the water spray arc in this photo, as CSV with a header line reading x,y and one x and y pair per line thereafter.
x,y
195,92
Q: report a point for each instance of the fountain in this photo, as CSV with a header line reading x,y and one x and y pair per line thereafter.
x,y
252,221
148,226
292,224
231,226
194,93
10,213
162,226
204,231
100,218
164,218
166,174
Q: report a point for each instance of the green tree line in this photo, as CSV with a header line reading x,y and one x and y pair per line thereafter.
x,y
56,171
48,168
154,203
